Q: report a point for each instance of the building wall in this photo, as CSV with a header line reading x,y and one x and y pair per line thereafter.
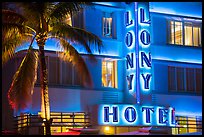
x,y
74,100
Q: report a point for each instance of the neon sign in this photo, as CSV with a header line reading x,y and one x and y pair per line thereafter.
x,y
138,55
145,58
134,115
130,54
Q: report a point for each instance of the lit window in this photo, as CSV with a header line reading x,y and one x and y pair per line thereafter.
x,y
188,34
107,25
196,36
176,31
192,34
184,33
109,74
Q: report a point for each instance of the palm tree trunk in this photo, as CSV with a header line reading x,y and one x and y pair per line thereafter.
x,y
45,107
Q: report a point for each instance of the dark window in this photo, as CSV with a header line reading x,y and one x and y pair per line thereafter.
x,y
172,78
54,70
66,73
180,78
190,79
185,79
198,80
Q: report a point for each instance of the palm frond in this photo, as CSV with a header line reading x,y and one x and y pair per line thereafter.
x,y
77,35
11,39
11,19
14,33
63,8
9,16
20,92
29,10
70,54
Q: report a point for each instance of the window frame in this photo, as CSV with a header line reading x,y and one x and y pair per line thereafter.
x,y
183,43
196,73
105,20
114,70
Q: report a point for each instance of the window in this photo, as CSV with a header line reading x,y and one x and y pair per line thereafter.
x,y
188,34
184,33
172,78
190,78
176,33
76,78
53,70
180,78
60,73
77,19
185,79
109,74
66,73
198,80
107,25
69,75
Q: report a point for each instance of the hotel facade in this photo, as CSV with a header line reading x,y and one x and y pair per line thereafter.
x,y
148,73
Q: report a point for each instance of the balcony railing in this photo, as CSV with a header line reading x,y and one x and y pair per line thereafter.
x,y
28,124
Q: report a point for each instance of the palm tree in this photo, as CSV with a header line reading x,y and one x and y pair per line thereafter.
x,y
23,23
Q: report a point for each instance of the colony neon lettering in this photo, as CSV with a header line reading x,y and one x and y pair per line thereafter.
x,y
130,44
144,50
144,53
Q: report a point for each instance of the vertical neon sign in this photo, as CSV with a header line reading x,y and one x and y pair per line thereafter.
x,y
145,59
129,41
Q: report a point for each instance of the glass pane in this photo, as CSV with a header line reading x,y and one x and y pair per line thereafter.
x,y
66,73
198,80
171,78
180,78
172,33
107,26
200,37
77,78
178,33
190,79
53,70
195,36
108,78
188,34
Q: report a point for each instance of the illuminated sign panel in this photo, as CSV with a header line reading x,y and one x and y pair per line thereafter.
x,y
145,58
129,40
138,55
135,115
